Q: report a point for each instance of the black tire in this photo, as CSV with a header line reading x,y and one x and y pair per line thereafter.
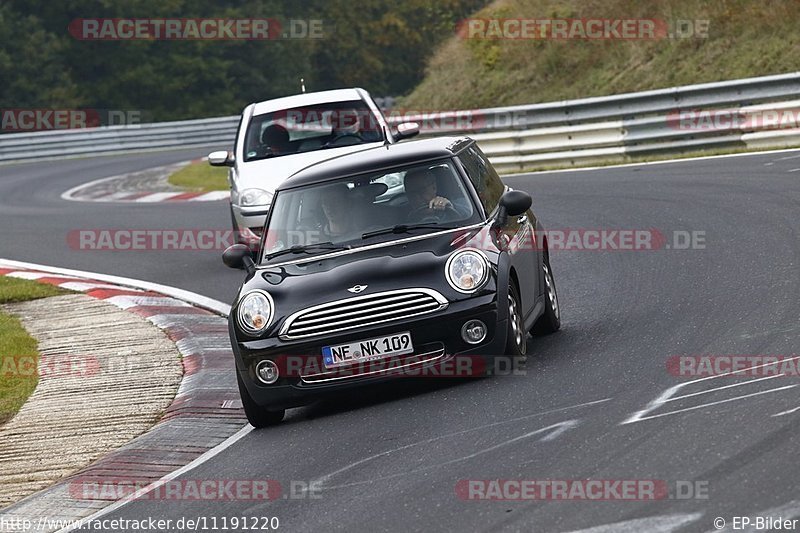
x,y
550,321
516,336
257,416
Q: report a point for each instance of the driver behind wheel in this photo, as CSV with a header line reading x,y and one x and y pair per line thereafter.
x,y
275,139
423,198
338,210
346,128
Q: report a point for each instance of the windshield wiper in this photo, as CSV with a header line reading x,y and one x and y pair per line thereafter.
x,y
330,146
308,248
404,228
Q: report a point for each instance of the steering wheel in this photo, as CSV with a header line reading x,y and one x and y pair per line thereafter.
x,y
425,214
264,150
336,141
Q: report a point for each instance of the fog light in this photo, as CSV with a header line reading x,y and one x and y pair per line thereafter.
x,y
473,332
267,372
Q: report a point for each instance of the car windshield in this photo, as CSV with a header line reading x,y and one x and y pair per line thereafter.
x,y
355,211
309,128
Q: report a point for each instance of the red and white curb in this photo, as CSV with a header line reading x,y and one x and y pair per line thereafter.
x,y
154,197
124,188
204,418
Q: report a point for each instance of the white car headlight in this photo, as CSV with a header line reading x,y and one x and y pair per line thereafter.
x,y
255,197
467,270
256,310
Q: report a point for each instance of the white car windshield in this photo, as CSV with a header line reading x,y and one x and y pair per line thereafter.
x,y
309,128
359,210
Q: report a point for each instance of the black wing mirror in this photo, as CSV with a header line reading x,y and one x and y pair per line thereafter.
x,y
239,256
515,202
512,204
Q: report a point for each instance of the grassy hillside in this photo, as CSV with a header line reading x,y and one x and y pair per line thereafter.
x,y
745,38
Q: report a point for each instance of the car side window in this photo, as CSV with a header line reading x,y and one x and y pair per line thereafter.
x,y
483,177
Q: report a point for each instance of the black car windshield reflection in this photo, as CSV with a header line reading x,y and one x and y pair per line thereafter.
x,y
356,211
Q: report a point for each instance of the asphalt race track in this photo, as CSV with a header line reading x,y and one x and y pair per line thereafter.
x,y
586,406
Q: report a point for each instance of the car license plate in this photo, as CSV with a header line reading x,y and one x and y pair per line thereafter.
x,y
367,350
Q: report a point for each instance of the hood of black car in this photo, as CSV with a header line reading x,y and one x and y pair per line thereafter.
x,y
398,264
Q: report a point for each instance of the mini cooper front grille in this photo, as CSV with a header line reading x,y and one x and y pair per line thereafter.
x,y
366,310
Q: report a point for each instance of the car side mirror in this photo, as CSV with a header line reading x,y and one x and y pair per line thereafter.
x,y
512,204
406,130
221,158
515,202
239,256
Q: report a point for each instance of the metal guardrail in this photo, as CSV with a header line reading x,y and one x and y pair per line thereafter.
x,y
570,132
118,139
614,128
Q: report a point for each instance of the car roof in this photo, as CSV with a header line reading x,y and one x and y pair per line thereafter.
x,y
376,159
307,99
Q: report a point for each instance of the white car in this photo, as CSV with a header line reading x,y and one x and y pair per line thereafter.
x,y
279,137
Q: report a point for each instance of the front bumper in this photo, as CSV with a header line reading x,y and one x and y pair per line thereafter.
x,y
439,351
251,217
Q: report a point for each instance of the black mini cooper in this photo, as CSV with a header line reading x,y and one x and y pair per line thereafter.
x,y
391,261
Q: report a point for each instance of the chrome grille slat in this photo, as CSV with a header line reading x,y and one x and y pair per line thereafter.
x,y
370,311
426,306
335,309
360,311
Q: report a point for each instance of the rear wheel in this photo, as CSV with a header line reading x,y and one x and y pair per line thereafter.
x,y
256,415
516,336
550,321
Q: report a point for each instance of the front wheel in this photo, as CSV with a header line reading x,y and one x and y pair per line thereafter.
x,y
550,321
256,415
516,336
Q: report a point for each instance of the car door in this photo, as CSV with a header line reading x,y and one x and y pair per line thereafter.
x,y
519,239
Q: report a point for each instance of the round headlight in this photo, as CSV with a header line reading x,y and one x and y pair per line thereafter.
x,y
255,312
467,270
255,197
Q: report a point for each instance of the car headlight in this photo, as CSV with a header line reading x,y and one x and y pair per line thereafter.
x,y
255,313
467,270
255,197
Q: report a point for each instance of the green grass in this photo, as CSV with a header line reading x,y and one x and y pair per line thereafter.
x,y
745,38
18,354
21,290
201,177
